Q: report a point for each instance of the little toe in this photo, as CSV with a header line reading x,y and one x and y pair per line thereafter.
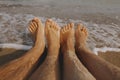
x,y
82,28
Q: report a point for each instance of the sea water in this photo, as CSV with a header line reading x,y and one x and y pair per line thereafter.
x,y
14,32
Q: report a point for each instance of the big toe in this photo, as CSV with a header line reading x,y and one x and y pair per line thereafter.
x,y
48,23
71,25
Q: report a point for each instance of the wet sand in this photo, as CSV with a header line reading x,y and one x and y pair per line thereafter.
x,y
8,54
111,56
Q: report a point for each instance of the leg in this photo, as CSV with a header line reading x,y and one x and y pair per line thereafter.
x,y
101,69
18,69
49,70
73,68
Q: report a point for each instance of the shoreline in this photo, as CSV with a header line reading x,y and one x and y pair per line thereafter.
x,y
28,47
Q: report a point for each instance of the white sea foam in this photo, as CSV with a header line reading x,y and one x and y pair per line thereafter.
x,y
104,49
15,46
13,29
26,47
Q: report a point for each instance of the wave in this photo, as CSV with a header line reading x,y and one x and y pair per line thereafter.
x,y
105,49
13,29
15,46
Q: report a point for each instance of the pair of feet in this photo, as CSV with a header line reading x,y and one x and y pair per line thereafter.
x,y
56,36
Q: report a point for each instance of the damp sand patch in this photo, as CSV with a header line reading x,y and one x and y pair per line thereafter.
x,y
111,56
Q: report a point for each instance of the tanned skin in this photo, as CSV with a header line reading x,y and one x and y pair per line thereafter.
x,y
49,70
73,69
19,68
101,69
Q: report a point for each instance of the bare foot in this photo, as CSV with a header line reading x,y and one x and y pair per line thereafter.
x,y
52,32
67,37
81,35
49,69
37,30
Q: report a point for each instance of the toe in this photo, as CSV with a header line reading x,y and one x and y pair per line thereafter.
x,y
54,25
71,25
35,24
82,28
85,29
57,27
31,23
68,26
50,23
64,28
34,19
30,29
86,32
49,20
79,27
47,24
37,20
61,31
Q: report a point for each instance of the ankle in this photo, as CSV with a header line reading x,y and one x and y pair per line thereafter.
x,y
39,44
67,47
80,46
